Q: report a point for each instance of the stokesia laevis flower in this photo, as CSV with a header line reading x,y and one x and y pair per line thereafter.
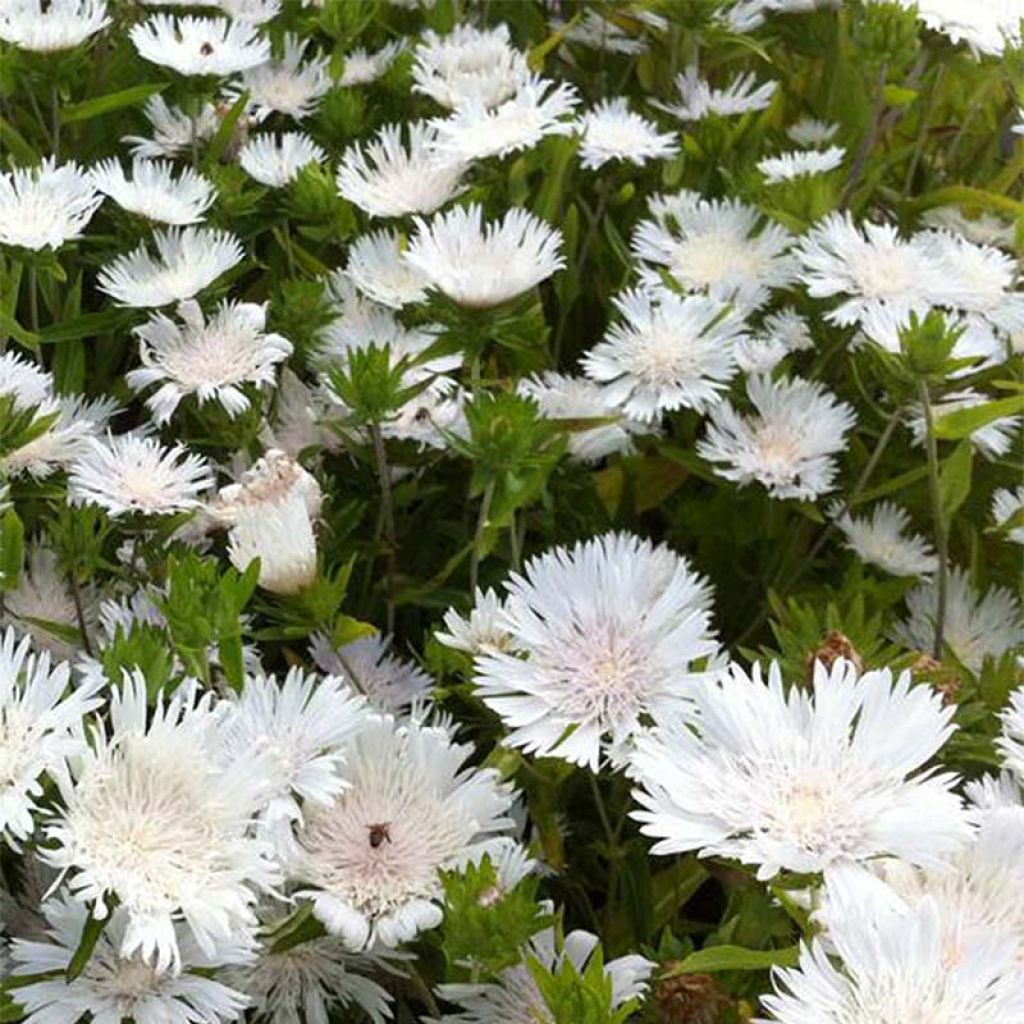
x,y
40,728
810,132
256,12
377,267
164,790
991,440
209,359
516,998
600,635
112,987
800,162
297,418
154,192
987,28
975,626
881,540
611,131
600,33
286,86
667,352
697,98
387,178
481,630
1006,507
173,129
277,160
722,247
45,206
50,28
802,781
361,67
478,265
1011,738
200,46
127,473
410,811
787,444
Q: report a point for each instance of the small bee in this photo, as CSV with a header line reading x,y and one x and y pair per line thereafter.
x,y
206,49
379,832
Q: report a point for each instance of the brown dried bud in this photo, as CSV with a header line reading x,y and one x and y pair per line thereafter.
x,y
691,999
943,680
836,645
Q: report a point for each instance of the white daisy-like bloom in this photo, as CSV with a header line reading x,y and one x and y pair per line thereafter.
x,y
391,178
759,355
722,247
26,382
46,205
42,600
982,228
476,131
51,27
378,269
481,630
809,131
697,98
287,85
154,192
112,987
600,635
432,416
975,626
800,162
41,722
297,419
277,160
298,729
802,781
390,683
164,790
987,28
127,473
667,352
515,997
479,265
995,793
256,12
600,33
410,810
561,397
210,359
992,440
787,443
187,261
172,129
270,516
790,328
361,67
1011,738
881,539
896,966
611,131
468,64
200,46
1005,505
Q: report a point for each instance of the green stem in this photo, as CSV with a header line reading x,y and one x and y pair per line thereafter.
x,y
80,614
941,536
387,511
515,545
481,525
868,140
33,299
55,120
922,134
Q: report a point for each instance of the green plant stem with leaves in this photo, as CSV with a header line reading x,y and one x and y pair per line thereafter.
x,y
938,516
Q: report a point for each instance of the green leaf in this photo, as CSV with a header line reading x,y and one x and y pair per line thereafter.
x,y
964,422
87,110
13,141
20,334
734,958
91,932
219,143
12,545
955,479
88,325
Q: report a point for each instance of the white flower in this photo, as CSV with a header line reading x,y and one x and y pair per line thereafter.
x,y
277,160
481,631
127,473
600,635
1007,504
40,727
697,98
55,26
1011,739
802,782
560,397
390,683
200,46
482,266
879,540
378,269
515,997
759,355
298,730
256,12
43,599
173,129
611,131
361,67
189,259
297,415
164,791
600,33
153,192
45,206
432,416
410,811
27,383
668,352
389,179
975,627
722,247
209,359
991,440
286,86
476,131
788,327
987,28
468,64
112,987
982,228
810,132
787,444
800,162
